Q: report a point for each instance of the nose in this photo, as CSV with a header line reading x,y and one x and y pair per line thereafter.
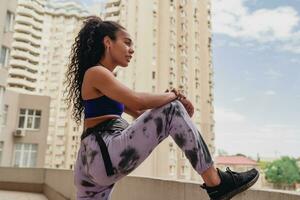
x,y
131,50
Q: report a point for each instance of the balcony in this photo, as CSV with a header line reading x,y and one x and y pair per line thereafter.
x,y
21,82
23,73
28,29
110,3
27,11
25,55
113,10
22,63
32,4
26,46
58,184
27,37
29,21
113,18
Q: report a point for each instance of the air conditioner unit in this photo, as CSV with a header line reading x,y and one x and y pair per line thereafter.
x,y
19,133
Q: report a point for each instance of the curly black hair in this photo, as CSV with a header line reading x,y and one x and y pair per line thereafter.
x,y
86,52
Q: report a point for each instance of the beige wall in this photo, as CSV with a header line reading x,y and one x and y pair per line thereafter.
x,y
5,40
6,5
15,101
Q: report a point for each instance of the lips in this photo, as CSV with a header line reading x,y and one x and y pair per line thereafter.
x,y
128,58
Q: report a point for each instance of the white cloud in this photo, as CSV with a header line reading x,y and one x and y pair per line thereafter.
x,y
237,133
273,74
294,60
225,116
270,92
233,18
239,99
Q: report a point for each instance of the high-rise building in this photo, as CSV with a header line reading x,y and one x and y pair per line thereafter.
x,y
26,47
62,21
43,34
23,117
172,41
7,18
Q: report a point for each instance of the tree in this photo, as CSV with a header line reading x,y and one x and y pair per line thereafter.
x,y
284,171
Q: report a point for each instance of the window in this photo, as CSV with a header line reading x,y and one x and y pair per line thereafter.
x,y
173,34
153,75
171,169
4,119
4,56
172,48
182,154
172,20
1,150
153,88
182,170
197,99
29,119
25,155
9,23
172,153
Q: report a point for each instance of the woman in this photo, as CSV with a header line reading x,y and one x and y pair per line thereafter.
x,y
110,147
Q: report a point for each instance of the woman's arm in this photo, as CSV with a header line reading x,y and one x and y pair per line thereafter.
x,y
134,113
103,80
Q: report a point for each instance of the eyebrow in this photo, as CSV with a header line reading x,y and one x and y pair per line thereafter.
x,y
128,39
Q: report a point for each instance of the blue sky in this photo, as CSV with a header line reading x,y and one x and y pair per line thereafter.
x,y
256,56
256,48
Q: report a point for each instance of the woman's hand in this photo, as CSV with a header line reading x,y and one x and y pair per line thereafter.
x,y
185,102
187,105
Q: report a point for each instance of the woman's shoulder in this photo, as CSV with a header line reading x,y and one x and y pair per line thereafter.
x,y
96,70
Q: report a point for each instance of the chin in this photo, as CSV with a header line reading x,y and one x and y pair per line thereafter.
x,y
124,64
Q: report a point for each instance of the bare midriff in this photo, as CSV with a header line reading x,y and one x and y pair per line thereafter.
x,y
90,122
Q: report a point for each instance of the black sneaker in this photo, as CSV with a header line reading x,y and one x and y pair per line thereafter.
x,y
231,184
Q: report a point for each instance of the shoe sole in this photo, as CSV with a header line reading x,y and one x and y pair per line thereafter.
x,y
238,190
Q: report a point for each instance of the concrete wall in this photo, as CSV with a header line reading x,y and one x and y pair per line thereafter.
x,y
58,185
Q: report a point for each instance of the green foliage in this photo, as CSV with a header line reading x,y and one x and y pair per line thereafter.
x,y
263,164
283,171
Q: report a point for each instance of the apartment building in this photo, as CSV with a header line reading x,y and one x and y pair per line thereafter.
x,y
24,132
172,41
43,34
7,18
24,72
62,22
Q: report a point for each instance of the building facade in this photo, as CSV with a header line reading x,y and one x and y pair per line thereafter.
x,y
43,34
172,41
61,25
23,139
7,18
25,67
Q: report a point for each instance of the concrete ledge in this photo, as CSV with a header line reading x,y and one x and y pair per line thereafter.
x,y
22,175
50,193
59,185
22,187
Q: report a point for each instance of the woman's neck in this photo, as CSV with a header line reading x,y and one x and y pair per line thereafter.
x,y
107,64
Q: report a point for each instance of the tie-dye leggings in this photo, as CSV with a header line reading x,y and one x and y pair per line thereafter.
x,y
128,148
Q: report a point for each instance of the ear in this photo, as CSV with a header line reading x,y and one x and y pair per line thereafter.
x,y
107,41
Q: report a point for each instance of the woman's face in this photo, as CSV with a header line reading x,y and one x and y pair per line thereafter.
x,y
121,49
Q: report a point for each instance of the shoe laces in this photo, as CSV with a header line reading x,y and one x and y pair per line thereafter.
x,y
233,175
